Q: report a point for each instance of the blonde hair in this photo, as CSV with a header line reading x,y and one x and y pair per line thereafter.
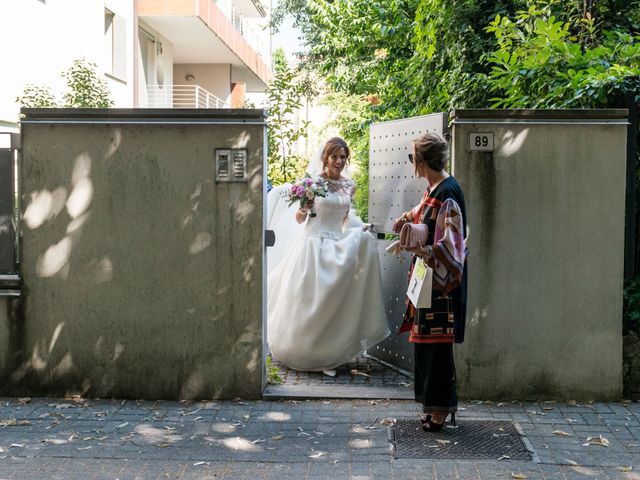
x,y
432,149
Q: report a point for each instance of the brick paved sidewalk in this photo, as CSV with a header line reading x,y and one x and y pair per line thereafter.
x,y
337,439
364,370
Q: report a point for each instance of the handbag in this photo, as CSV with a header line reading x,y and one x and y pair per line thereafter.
x,y
413,235
419,290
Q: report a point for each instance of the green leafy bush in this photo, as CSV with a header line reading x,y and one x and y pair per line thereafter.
x,y
34,96
273,372
84,90
542,61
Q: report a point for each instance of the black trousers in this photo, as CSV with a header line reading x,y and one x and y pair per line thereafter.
x,y
435,377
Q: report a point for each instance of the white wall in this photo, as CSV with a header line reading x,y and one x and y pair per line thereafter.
x,y
40,39
160,70
216,78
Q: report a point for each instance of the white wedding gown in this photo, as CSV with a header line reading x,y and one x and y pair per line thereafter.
x,y
325,303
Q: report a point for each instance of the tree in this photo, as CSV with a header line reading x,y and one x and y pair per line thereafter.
x,y
570,61
412,57
285,93
84,90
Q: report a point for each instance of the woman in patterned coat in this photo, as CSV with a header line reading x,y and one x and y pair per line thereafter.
x,y
434,330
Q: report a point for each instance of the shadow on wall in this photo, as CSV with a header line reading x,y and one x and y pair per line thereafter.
x,y
482,236
137,267
483,348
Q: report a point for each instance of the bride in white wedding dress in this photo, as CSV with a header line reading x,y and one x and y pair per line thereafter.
x,y
325,303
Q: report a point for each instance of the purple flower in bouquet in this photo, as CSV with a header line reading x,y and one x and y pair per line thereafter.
x,y
306,189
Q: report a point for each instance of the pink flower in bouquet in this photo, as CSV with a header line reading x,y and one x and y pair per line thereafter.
x,y
306,189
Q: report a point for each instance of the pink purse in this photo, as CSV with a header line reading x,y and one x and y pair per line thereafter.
x,y
413,235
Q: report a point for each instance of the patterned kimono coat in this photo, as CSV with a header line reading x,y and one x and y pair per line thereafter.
x,y
443,211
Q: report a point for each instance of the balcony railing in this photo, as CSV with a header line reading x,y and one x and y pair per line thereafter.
x,y
250,33
182,96
254,38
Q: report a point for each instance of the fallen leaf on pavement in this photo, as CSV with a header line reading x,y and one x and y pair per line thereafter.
x,y
355,371
316,455
599,441
12,422
624,469
194,411
55,441
562,433
571,462
24,400
277,437
16,445
122,425
387,421
518,475
443,442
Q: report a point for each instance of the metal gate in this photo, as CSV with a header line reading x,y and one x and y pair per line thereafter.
x,y
8,217
393,189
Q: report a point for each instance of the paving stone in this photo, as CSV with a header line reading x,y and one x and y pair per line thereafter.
x,y
364,370
223,439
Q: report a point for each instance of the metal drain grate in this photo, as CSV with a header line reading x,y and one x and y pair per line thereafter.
x,y
472,439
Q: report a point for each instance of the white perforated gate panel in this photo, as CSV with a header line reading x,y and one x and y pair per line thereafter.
x,y
393,189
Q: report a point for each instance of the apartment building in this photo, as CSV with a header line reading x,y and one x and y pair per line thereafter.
x,y
151,53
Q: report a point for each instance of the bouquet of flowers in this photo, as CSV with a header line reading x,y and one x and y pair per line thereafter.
x,y
305,189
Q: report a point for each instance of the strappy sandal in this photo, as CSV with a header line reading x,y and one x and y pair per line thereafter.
x,y
430,426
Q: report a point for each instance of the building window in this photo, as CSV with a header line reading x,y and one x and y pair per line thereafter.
x,y
115,44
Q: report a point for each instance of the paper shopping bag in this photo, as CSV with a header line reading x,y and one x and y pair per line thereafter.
x,y
419,291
